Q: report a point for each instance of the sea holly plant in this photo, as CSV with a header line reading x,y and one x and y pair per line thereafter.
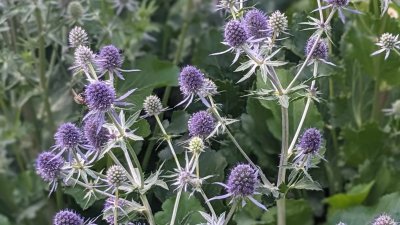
x,y
107,131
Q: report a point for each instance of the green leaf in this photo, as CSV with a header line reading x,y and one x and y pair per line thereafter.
x,y
307,184
356,195
178,123
142,128
78,193
187,211
361,215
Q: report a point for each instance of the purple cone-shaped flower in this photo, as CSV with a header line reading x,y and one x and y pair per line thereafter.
x,y
100,96
109,59
48,166
338,3
235,34
257,24
68,136
109,206
384,219
96,135
201,124
320,50
242,181
68,217
191,80
310,141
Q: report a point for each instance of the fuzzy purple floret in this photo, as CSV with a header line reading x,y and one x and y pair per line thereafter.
x,y
310,141
201,124
95,135
191,80
338,3
67,217
109,59
320,51
242,181
100,96
68,135
257,24
235,34
48,166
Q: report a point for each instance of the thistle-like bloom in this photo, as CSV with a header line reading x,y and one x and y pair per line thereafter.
x,y
48,167
340,5
101,98
83,58
394,111
235,34
78,36
320,52
96,135
201,124
242,183
120,5
196,145
257,26
116,175
109,60
387,42
75,10
191,84
68,217
67,137
152,105
309,145
384,219
278,23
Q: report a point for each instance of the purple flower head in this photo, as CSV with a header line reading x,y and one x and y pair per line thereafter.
x,y
48,166
242,181
68,136
109,206
83,58
338,3
235,34
320,50
257,24
201,124
96,135
310,141
68,217
384,219
109,59
100,96
191,80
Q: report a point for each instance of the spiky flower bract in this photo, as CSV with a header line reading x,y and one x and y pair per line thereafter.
x,y
384,219
77,36
257,26
120,5
109,60
209,88
310,141
96,135
278,23
235,34
48,166
320,50
338,3
68,136
109,206
152,105
116,175
68,217
242,181
201,124
100,96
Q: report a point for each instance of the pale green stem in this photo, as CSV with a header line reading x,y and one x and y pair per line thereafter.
x,y
149,213
230,214
207,201
168,139
80,183
214,110
307,106
116,207
175,210
282,165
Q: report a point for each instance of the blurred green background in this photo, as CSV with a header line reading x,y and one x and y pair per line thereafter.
x,y
360,179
